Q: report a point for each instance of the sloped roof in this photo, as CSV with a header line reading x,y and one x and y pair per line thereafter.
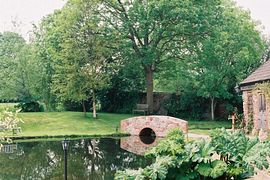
x,y
260,74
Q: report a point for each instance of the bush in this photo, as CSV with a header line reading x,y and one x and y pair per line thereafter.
x,y
77,106
187,106
119,101
32,106
237,158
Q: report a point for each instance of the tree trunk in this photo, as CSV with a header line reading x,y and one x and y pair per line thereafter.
x,y
84,109
94,105
149,88
47,106
212,108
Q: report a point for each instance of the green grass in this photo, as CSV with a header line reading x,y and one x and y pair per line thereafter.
x,y
69,123
205,127
57,124
9,106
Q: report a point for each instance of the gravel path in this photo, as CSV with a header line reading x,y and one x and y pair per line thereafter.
x,y
197,136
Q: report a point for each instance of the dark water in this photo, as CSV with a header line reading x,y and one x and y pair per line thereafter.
x,y
92,159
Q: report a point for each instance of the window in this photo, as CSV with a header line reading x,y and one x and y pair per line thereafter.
x,y
262,102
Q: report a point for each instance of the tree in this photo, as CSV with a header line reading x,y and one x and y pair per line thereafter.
x,y
80,62
225,58
46,43
154,31
20,70
10,46
222,60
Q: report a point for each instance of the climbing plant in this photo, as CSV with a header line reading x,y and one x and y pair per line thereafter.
x,y
265,88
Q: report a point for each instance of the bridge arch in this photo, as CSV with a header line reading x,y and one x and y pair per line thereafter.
x,y
160,125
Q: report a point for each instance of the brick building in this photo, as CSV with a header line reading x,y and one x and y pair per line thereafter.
x,y
255,103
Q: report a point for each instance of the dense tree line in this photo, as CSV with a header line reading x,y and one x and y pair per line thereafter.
x,y
205,47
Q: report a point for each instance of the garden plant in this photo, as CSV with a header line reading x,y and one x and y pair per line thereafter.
x,y
228,155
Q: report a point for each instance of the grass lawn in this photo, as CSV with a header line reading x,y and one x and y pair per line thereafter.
x,y
74,123
205,127
69,123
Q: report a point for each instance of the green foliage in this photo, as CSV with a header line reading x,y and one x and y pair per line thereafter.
x,y
232,50
250,124
19,76
177,159
216,169
118,101
125,90
7,107
152,32
32,106
76,106
173,145
130,175
8,121
239,152
186,105
265,88
79,60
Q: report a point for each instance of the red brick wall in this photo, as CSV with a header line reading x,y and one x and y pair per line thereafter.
x,y
268,112
247,105
161,125
255,109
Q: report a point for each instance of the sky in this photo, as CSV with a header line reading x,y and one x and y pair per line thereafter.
x,y
27,12
260,10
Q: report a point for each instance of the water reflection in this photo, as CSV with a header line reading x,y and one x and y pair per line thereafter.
x,y
87,159
139,144
8,148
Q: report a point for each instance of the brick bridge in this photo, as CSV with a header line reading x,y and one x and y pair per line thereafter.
x,y
152,125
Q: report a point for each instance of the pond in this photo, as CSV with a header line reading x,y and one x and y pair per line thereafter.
x,y
87,158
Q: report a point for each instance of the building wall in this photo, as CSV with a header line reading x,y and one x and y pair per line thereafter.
x,y
268,112
251,107
255,97
247,105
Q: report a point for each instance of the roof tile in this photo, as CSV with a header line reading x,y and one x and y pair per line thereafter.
x,y
260,74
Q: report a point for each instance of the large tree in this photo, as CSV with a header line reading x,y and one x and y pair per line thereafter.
x,y
222,60
19,76
151,31
80,62
225,58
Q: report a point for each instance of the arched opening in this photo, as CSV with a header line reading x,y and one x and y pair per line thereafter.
x,y
147,136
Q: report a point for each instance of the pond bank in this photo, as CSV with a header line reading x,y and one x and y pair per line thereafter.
x,y
33,138
61,124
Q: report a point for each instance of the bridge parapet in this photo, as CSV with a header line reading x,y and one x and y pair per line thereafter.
x,y
161,125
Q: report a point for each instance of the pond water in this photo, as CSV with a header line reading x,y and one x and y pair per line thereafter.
x,y
87,158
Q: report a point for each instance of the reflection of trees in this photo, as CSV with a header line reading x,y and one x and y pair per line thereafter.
x,y
31,161
87,159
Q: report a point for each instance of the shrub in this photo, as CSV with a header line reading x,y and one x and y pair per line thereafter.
x,y
187,105
177,159
118,101
32,106
8,121
77,106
